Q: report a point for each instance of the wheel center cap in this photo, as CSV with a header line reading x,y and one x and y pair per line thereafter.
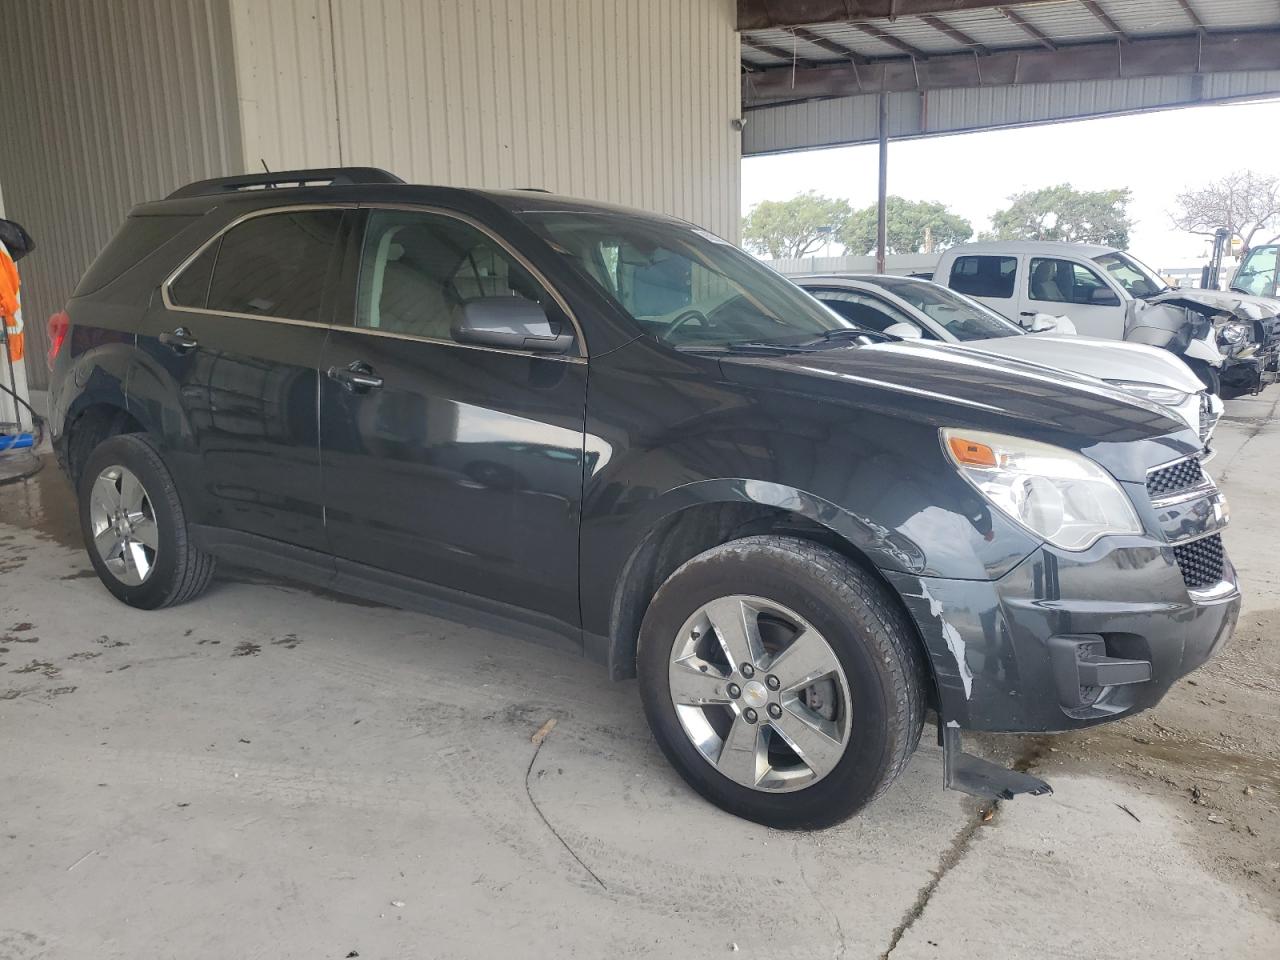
x,y
754,694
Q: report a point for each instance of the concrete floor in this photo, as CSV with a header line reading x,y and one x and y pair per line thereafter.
x,y
271,773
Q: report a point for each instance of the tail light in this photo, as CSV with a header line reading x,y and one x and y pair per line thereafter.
x,y
59,323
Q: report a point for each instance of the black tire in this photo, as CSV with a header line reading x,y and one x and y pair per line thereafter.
x,y
180,571
865,628
1208,376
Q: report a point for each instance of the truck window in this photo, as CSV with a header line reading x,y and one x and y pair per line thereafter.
x,y
984,276
1062,281
1257,273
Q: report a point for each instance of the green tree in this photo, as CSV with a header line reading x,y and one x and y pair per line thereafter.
x,y
1067,214
795,227
911,226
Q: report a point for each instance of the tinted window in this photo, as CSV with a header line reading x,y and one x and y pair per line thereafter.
x,y
275,265
984,276
138,237
865,311
418,270
1062,281
191,287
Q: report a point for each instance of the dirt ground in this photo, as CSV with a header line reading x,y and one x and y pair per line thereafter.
x,y
270,772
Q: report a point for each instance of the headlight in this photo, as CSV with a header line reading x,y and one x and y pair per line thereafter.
x,y
1061,496
1233,332
1167,396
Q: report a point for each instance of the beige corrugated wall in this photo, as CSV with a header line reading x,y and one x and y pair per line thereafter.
x,y
104,104
629,101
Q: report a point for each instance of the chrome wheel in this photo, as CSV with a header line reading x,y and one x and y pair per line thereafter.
x,y
123,525
760,694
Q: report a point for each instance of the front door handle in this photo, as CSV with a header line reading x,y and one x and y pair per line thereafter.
x,y
1027,313
180,340
357,377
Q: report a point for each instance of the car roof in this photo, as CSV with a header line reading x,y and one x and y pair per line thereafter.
x,y
1089,250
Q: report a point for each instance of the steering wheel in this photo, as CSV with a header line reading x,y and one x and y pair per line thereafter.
x,y
683,318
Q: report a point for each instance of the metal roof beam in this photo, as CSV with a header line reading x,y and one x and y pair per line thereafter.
x,y
1190,11
839,49
946,29
1186,55
782,53
872,30
1105,19
766,14
1014,18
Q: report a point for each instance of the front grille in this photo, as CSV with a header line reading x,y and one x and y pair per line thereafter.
x,y
1200,561
1176,477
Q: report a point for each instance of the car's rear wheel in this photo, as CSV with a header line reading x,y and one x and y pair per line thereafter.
x,y
782,681
134,527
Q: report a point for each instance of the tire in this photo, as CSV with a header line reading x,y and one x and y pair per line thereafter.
x,y
155,530
1208,376
791,588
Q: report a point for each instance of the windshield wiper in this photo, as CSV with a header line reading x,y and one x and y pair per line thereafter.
x,y
850,333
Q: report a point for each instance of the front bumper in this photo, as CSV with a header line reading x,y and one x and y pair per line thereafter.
x,y
997,647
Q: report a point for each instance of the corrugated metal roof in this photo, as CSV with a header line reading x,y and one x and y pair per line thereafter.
x,y
1062,21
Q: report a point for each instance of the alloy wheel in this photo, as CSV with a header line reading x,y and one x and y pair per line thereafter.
x,y
760,693
123,525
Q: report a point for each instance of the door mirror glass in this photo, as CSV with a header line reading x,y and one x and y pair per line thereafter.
x,y
906,331
511,322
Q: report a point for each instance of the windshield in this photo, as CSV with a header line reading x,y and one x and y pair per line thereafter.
x,y
1137,279
683,285
1257,273
961,317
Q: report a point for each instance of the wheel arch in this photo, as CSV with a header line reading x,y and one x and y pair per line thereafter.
x,y
697,523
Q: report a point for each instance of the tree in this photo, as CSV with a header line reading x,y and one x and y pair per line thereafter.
x,y
1245,202
911,226
1067,214
795,227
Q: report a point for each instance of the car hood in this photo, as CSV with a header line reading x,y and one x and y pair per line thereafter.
x,y
1244,306
943,386
1094,357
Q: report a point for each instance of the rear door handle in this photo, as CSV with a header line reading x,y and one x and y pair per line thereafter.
x,y
357,377
180,340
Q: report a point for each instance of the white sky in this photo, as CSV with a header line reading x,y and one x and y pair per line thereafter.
x,y
1156,155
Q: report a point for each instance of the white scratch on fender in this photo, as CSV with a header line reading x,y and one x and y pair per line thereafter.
x,y
955,642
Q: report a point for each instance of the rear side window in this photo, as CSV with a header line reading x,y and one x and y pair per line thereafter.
x,y
138,237
191,287
275,265
984,276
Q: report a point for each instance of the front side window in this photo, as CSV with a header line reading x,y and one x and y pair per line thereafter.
x,y
1064,281
865,311
961,317
419,270
274,265
1133,276
1257,273
683,285
984,276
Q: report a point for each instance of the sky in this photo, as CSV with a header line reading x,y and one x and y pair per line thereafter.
x,y
1156,155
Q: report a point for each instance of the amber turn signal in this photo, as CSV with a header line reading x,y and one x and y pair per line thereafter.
x,y
971,452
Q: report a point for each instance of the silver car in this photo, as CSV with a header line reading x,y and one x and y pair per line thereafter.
x,y
912,308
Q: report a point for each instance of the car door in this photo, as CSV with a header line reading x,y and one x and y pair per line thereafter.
x,y
1063,287
236,338
990,278
450,463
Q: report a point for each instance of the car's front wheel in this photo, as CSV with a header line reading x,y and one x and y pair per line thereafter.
x,y
134,527
782,681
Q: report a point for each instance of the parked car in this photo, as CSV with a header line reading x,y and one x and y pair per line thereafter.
x,y
619,434
922,309
1110,294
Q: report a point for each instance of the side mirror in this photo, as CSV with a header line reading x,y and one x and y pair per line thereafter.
x,y
511,322
1102,297
905,331
1042,323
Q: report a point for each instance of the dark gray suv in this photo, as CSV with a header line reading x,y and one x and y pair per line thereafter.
x,y
618,434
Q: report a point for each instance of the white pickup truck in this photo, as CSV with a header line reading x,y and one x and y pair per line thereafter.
x,y
1108,293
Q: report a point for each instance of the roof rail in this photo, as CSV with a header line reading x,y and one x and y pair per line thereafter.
x,y
321,176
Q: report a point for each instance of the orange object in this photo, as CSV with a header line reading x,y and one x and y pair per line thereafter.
x,y
972,452
9,285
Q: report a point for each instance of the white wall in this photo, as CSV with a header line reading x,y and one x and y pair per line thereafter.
x,y
629,101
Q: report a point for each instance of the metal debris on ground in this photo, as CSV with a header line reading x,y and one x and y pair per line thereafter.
x,y
1128,811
